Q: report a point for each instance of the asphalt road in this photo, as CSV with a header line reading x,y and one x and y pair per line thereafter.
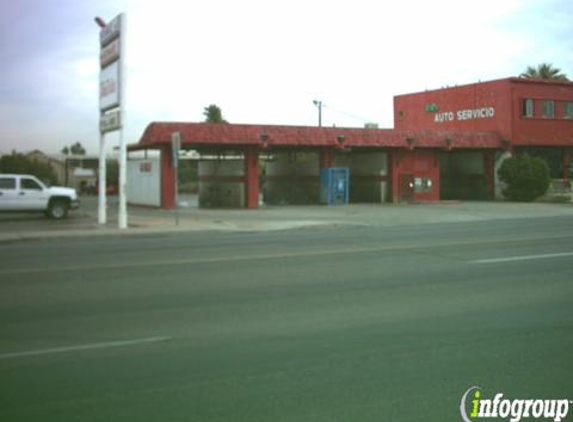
x,y
330,324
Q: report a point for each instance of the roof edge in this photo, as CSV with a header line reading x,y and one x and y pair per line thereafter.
x,y
511,79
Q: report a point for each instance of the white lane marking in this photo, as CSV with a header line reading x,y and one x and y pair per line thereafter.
x,y
522,258
279,255
83,347
206,260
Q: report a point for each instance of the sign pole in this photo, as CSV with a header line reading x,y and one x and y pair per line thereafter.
x,y
102,212
176,197
175,147
122,212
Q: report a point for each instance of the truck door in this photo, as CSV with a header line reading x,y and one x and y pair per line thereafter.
x,y
32,195
8,193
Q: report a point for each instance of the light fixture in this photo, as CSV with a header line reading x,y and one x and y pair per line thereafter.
x,y
100,22
264,138
319,105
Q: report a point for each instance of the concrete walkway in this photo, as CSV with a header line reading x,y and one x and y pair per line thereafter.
x,y
148,220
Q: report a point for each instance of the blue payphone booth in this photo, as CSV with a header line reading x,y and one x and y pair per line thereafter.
x,y
334,185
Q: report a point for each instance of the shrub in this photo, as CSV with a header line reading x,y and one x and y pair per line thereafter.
x,y
20,164
555,199
527,178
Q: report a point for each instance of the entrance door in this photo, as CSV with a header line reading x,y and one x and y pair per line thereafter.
x,y
406,187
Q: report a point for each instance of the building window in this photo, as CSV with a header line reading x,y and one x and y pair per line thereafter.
x,y
527,108
422,185
568,109
548,109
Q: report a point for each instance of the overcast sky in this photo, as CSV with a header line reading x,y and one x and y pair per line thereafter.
x,y
260,61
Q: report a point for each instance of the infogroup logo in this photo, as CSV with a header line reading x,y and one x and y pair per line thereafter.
x,y
473,407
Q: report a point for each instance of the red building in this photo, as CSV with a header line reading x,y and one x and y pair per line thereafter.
x,y
534,116
446,144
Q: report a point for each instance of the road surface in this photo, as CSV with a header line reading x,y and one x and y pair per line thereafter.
x,y
323,324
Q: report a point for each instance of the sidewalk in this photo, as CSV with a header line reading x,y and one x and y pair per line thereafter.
x,y
268,218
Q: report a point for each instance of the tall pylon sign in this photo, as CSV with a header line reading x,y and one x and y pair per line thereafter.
x,y
112,109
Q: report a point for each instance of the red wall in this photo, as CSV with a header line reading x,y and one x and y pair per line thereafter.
x,y
505,96
410,110
538,130
251,177
167,179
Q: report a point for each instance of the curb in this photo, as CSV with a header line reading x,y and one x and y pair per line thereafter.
x,y
138,230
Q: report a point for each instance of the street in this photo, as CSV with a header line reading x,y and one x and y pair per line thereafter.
x,y
316,324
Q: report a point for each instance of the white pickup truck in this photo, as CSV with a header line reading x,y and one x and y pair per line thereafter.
x,y
22,192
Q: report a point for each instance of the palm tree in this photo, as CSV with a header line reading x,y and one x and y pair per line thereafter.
x,y
544,71
213,114
77,149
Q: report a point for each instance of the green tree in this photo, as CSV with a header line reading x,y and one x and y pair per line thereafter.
x,y
77,149
20,164
74,149
213,114
544,71
527,178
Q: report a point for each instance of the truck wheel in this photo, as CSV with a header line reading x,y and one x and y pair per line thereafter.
x,y
58,209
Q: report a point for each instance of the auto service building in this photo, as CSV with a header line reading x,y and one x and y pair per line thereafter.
x,y
446,144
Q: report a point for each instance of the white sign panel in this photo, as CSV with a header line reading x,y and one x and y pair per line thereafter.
x,y
109,53
110,31
109,87
110,121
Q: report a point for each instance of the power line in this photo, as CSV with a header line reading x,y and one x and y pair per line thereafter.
x,y
360,118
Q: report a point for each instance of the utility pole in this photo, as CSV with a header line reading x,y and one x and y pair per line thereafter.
x,y
319,105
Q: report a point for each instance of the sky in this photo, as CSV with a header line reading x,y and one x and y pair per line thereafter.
x,y
260,61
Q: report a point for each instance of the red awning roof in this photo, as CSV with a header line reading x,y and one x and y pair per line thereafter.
x,y
207,134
